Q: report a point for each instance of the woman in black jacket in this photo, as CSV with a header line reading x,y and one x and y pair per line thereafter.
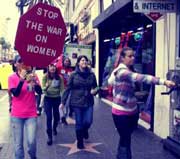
x,y
81,88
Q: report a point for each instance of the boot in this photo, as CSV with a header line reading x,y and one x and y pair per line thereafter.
x,y
129,153
63,120
49,141
85,134
55,130
79,135
123,153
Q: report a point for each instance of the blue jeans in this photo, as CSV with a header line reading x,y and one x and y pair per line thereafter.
x,y
83,117
18,125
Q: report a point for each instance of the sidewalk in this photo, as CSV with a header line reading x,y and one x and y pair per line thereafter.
x,y
102,143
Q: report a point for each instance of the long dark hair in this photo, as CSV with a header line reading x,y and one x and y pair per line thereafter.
x,y
79,59
56,75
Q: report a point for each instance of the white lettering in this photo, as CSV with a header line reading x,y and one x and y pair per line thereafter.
x,y
41,50
54,30
34,25
46,13
27,23
40,27
39,11
41,38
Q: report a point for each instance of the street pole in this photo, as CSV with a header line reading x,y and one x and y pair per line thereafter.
x,y
21,7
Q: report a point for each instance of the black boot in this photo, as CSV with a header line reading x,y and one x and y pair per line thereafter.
x,y
123,153
54,130
49,141
63,120
79,135
85,134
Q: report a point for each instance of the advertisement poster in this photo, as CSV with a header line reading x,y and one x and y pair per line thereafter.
x,y
74,50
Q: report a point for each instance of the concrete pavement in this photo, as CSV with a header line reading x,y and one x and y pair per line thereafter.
x,y
102,143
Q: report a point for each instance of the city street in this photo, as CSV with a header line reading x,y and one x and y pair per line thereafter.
x,y
101,144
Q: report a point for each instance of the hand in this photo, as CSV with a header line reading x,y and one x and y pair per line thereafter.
x,y
169,84
30,77
47,84
61,106
93,91
23,74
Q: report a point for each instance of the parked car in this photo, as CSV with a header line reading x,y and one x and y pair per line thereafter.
x,y
5,71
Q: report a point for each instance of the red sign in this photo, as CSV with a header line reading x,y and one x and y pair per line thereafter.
x,y
40,35
154,16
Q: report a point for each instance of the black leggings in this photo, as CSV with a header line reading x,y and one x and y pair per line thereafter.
x,y
125,125
51,106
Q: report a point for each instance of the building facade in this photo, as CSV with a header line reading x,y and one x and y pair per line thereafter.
x,y
110,25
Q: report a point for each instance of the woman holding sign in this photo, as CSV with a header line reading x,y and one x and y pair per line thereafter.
x,y
22,85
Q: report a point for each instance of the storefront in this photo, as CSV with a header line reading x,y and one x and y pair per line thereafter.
x,y
125,28
172,142
85,33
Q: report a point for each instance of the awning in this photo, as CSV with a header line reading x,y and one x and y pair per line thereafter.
x,y
109,11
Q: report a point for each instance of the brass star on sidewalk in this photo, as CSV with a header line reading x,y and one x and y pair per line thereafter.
x,y
70,121
89,147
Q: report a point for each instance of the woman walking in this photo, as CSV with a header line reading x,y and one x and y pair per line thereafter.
x,y
52,85
65,70
124,107
22,85
81,86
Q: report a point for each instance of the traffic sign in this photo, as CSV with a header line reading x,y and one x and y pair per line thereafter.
x,y
154,16
40,35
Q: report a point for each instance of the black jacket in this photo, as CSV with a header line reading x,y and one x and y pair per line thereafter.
x,y
79,87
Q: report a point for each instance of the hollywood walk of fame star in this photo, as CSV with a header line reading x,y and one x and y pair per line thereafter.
x,y
89,147
70,121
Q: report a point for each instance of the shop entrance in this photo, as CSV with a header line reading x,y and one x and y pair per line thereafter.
x,y
125,28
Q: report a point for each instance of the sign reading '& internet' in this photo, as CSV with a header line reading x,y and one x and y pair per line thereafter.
x,y
161,6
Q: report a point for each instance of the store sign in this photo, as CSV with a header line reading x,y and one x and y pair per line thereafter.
x,y
161,6
40,35
74,50
154,16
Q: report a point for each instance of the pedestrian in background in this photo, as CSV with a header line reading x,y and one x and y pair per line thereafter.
x,y
124,107
65,70
22,85
53,86
81,87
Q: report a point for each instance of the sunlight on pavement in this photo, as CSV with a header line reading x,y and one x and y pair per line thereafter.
x,y
4,119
